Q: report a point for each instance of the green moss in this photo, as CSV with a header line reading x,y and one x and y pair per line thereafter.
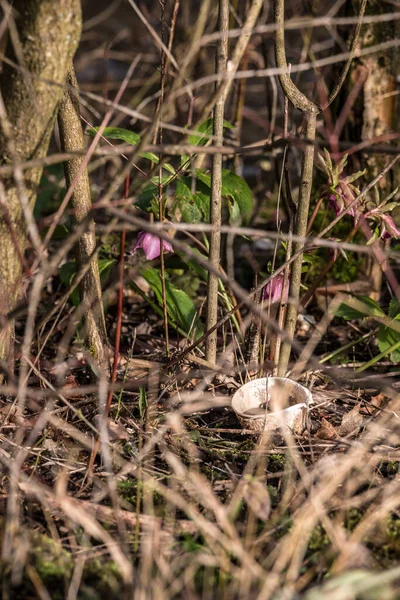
x,y
128,490
54,565
276,463
393,529
51,561
100,578
353,518
319,539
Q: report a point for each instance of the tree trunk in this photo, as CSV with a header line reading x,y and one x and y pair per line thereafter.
x,y
379,109
48,33
71,135
374,112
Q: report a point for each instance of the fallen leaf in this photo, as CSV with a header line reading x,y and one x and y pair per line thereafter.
x,y
375,402
351,422
326,431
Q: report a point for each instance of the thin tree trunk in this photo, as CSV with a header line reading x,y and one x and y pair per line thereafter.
x,y
72,139
216,186
300,228
49,33
310,111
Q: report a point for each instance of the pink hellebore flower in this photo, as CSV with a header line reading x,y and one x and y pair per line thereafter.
x,y
274,289
389,227
150,244
333,203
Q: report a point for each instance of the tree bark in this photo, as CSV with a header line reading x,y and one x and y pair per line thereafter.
x,y
31,87
374,113
379,109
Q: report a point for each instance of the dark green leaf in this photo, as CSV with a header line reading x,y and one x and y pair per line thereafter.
x,y
67,273
394,308
387,337
205,130
194,265
142,401
237,189
186,203
194,207
359,307
117,133
51,193
130,137
105,266
179,306
148,194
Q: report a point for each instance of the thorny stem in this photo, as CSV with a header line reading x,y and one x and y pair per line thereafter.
x,y
216,185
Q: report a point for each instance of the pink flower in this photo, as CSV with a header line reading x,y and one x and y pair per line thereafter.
x,y
150,244
274,288
343,198
389,227
334,205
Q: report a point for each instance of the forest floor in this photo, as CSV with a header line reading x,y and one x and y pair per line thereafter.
x,y
182,491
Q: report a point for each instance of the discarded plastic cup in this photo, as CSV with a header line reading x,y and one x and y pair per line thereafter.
x,y
270,403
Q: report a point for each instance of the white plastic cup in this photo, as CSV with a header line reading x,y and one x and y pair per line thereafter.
x,y
271,403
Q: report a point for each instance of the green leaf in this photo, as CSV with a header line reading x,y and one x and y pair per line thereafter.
x,y
359,307
389,207
236,191
130,137
105,266
355,176
387,337
194,265
198,201
117,133
142,401
348,312
145,198
67,274
205,130
341,164
186,202
51,193
375,235
204,178
394,308
323,164
179,306
239,195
